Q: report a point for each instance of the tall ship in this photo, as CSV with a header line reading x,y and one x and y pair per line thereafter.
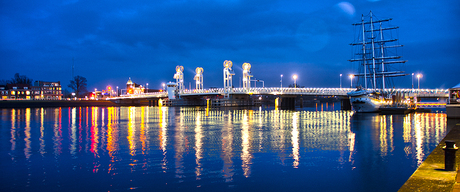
x,y
375,53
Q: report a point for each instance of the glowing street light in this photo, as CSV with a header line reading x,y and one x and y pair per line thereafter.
x,y
412,80
163,86
418,78
295,78
281,80
147,86
117,92
341,80
351,80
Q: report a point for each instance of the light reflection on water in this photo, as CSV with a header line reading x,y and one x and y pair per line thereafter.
x,y
237,149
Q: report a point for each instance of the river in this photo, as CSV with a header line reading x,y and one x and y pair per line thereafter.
x,y
199,149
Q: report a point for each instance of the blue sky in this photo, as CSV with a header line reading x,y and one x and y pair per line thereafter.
x,y
111,41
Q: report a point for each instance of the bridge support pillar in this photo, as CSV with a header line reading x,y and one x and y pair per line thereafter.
x,y
287,102
345,104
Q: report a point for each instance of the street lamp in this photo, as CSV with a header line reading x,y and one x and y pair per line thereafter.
x,y
281,80
412,80
117,92
418,79
351,80
147,86
295,78
340,80
163,86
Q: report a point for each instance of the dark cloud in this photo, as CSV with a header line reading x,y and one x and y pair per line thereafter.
x,y
113,40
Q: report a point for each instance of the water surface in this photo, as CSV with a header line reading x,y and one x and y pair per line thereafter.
x,y
185,149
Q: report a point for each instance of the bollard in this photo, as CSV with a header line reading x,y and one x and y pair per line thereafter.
x,y
449,155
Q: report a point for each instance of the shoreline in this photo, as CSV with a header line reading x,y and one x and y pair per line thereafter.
x,y
55,103
430,175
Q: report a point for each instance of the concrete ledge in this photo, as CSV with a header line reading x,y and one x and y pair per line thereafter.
x,y
431,176
54,103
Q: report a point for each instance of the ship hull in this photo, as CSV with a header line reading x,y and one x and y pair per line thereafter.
x,y
362,101
365,104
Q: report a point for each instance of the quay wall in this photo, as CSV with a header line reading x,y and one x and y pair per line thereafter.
x,y
430,175
55,103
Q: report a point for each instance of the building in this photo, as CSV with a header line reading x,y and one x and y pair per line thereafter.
x,y
133,88
16,91
40,90
47,90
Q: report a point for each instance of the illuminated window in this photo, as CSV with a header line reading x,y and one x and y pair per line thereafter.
x,y
27,93
13,92
15,87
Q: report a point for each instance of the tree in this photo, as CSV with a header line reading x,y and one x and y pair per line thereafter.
x,y
20,79
78,85
4,82
296,85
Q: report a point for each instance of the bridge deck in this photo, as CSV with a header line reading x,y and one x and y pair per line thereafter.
x,y
433,93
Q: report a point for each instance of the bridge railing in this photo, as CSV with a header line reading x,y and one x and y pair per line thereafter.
x,y
294,91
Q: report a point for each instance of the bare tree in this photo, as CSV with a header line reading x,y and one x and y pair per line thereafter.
x,y
78,85
20,79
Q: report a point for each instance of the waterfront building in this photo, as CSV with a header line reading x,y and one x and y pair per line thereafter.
x,y
47,90
133,88
15,91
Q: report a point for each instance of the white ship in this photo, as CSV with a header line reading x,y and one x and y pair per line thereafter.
x,y
365,101
375,51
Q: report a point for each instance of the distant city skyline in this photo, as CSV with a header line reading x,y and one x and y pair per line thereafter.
x,y
109,42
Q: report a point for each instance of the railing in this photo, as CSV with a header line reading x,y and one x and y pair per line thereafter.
x,y
291,91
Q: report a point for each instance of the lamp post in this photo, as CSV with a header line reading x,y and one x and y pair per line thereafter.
x,y
295,78
163,86
351,80
281,81
117,92
147,86
412,80
340,80
418,78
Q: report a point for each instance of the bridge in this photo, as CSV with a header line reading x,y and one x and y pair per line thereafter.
x,y
176,91
289,94
423,93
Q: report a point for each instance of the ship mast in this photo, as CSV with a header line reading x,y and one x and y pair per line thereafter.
x,y
364,52
373,53
383,60
379,69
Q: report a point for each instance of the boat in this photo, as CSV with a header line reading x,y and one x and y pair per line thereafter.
x,y
365,101
375,52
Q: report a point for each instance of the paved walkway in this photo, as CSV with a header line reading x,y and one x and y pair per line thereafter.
x,y
430,176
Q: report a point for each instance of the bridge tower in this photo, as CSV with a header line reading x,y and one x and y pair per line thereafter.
x,y
199,78
179,76
246,75
228,73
